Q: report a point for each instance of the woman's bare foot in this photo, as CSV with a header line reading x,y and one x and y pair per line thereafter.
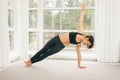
x,y
27,63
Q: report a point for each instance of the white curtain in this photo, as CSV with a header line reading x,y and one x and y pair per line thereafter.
x,y
22,27
107,17
4,48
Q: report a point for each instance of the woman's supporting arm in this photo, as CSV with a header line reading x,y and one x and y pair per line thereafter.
x,y
79,56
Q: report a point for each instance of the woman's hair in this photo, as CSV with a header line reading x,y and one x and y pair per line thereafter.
x,y
91,40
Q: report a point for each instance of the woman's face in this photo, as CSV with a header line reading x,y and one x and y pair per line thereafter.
x,y
86,42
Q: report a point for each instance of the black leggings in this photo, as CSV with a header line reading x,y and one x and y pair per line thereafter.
x,y
53,46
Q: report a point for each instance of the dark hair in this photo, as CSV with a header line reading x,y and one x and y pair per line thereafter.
x,y
91,40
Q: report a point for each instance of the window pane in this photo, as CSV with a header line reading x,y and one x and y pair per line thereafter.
x,y
89,20
33,19
67,3
11,40
52,19
90,3
33,40
71,3
10,18
70,19
77,3
47,20
33,3
52,3
67,19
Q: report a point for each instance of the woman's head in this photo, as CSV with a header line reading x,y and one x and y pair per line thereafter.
x,y
88,41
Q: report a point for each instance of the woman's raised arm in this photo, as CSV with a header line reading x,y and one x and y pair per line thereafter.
x,y
81,19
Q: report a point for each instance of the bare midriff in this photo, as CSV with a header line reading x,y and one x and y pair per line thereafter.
x,y
64,38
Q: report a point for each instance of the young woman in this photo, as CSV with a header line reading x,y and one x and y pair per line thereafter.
x,y
62,40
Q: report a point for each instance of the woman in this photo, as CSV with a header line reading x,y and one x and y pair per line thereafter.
x,y
62,40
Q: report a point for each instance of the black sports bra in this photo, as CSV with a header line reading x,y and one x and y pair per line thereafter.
x,y
72,37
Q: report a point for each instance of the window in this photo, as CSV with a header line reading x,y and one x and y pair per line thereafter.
x,y
33,19
33,40
63,15
59,16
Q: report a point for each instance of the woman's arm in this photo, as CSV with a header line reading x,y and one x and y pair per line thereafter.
x,y
79,56
81,19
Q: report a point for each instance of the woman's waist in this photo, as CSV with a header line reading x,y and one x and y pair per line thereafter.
x,y
64,38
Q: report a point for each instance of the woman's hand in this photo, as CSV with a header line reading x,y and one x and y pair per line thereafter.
x,y
83,6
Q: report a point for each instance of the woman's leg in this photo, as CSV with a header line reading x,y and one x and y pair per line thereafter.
x,y
53,46
46,48
50,48
49,45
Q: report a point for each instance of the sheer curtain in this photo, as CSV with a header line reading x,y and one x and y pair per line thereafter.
x,y
107,17
4,48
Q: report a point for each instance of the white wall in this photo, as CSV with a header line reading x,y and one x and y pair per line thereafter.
x,y
4,50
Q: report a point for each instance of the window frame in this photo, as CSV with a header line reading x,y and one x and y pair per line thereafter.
x,y
13,53
12,28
